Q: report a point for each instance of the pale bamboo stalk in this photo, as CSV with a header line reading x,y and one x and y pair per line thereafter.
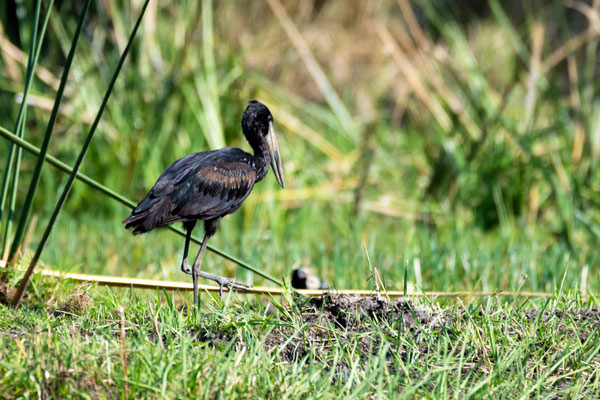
x,y
115,281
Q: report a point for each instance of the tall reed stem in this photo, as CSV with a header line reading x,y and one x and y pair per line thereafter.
x,y
26,211
65,193
19,129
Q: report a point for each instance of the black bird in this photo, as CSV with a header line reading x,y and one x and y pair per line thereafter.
x,y
209,185
305,278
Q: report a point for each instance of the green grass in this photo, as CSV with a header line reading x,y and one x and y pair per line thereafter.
x,y
450,258
481,142
488,348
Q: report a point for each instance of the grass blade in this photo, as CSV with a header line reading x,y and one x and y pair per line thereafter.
x,y
26,211
65,193
8,173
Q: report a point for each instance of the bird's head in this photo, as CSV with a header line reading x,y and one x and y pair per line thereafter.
x,y
257,125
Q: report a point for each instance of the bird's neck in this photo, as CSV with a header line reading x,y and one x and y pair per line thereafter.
x,y
262,159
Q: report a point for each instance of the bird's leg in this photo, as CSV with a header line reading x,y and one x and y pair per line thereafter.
x,y
221,281
185,267
196,269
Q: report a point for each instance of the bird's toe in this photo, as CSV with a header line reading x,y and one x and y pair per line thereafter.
x,y
231,283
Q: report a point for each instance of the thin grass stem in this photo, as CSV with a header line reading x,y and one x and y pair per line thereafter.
x,y
26,211
10,162
65,193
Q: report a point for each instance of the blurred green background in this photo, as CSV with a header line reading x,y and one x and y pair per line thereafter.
x,y
456,140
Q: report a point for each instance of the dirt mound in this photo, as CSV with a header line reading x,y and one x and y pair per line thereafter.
x,y
338,321
319,325
582,315
6,293
349,312
77,303
580,322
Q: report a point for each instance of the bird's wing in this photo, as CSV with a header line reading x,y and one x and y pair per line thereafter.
x,y
203,185
214,190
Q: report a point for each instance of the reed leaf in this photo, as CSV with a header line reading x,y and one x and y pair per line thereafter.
x,y
65,193
17,165
8,174
26,211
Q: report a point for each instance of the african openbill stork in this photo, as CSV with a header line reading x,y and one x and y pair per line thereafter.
x,y
209,185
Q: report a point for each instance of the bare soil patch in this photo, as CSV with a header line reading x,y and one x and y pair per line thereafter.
x,y
339,320
344,321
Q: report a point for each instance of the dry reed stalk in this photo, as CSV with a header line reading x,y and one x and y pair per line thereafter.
x,y
568,48
315,70
155,325
327,191
414,80
12,67
573,44
310,135
12,53
535,67
422,52
413,24
114,281
46,103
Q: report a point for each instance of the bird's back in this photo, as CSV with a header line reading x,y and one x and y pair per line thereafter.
x,y
203,186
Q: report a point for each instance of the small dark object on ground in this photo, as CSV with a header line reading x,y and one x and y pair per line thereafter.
x,y
305,278
208,186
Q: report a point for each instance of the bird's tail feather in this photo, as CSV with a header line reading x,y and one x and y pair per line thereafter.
x,y
155,216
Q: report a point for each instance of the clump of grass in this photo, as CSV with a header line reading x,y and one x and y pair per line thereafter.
x,y
324,348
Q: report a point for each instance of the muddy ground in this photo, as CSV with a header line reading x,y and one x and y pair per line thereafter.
x,y
341,320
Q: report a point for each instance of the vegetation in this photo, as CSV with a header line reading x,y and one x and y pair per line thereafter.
x,y
156,349
456,147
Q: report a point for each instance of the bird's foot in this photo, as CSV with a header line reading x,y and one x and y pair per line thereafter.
x,y
229,283
185,267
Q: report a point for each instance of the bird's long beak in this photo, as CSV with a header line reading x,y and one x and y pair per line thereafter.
x,y
275,159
